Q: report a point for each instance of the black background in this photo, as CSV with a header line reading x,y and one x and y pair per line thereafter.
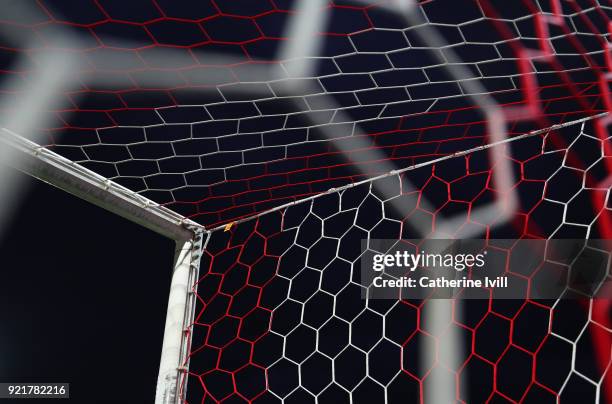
x,y
83,296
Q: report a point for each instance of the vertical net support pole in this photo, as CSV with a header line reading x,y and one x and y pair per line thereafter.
x,y
181,309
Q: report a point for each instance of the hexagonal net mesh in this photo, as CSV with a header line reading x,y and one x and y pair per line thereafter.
x,y
210,110
282,317
248,112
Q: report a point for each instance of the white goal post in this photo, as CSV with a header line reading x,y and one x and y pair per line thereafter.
x,y
190,238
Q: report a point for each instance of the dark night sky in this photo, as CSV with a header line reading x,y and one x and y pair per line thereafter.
x,y
83,297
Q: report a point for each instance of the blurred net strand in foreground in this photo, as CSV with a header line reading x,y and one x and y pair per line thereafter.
x,y
230,192
267,132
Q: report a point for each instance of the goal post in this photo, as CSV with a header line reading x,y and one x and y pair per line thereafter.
x,y
43,164
181,308
50,167
290,135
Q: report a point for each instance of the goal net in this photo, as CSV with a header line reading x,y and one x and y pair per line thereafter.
x,y
281,312
295,134
211,110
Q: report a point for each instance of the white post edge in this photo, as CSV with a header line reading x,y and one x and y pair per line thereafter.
x,y
181,309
